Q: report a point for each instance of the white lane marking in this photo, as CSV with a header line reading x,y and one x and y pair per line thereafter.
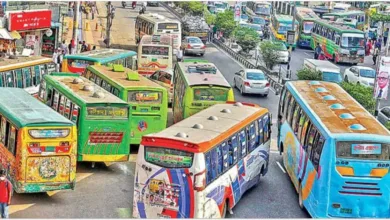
x,y
307,54
280,166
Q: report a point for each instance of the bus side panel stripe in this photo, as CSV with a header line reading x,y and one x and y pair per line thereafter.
x,y
183,204
141,209
167,212
191,192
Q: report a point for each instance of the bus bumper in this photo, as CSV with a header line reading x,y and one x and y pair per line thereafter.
x,y
304,43
22,187
102,157
350,59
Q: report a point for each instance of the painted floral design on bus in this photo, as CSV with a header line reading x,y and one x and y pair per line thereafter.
x,y
40,169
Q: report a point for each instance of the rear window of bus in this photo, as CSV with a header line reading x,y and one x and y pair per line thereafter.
x,y
79,63
155,50
148,97
168,26
48,133
210,94
168,158
363,150
107,112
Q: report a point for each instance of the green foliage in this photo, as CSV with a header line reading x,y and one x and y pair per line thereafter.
x,y
362,94
309,74
269,53
246,37
210,18
192,7
225,22
380,17
387,125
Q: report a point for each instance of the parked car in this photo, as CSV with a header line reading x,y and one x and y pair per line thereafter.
x,y
164,78
152,3
384,116
360,75
282,52
251,81
193,45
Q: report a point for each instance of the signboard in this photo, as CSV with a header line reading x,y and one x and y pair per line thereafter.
x,y
169,158
237,12
382,79
107,112
290,37
366,149
29,20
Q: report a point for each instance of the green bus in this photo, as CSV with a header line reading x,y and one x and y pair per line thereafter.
x,y
339,42
148,100
280,24
197,86
76,63
305,18
355,19
102,119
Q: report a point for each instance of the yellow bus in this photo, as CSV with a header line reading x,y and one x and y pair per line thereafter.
x,y
38,146
154,53
25,72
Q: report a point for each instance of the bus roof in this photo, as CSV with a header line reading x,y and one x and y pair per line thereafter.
x,y
335,108
25,110
306,13
338,26
6,63
155,18
102,55
344,13
286,19
199,78
83,89
121,78
212,125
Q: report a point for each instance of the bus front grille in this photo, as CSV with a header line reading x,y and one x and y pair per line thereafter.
x,y
360,189
105,137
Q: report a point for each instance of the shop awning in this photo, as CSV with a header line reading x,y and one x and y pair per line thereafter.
x,y
15,35
5,34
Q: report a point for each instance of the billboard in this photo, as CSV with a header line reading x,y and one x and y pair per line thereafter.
x,y
382,79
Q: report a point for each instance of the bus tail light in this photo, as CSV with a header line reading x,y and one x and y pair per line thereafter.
x,y
64,144
345,171
200,181
33,145
379,172
247,84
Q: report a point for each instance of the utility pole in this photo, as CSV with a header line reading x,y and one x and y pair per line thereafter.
x,y
110,16
290,48
76,13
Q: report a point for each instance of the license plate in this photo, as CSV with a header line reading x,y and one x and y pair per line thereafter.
x,y
144,110
50,149
258,85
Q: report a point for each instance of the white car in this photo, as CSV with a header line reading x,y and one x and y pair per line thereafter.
x,y
282,52
251,81
360,75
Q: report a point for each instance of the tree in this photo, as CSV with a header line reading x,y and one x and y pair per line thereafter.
x,y
210,18
191,7
269,52
361,94
225,22
246,37
309,74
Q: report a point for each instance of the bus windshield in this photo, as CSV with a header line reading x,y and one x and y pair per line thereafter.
x,y
155,50
220,5
307,26
284,28
168,158
144,96
352,40
257,20
210,94
331,77
263,9
80,63
364,151
105,112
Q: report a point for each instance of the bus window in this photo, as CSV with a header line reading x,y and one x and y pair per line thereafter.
x,y
19,78
261,126
266,126
129,62
12,140
214,161
150,97
75,114
302,121
220,159
304,130
98,81
233,150
27,76
286,101
56,98
290,111
1,79
242,137
4,131
37,78
9,79
225,154
67,109
310,139
104,84
251,138
209,169
317,150
62,105
116,92
295,119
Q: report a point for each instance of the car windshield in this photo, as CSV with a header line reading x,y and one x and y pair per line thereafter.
x,y
331,77
280,47
220,6
244,17
255,27
352,40
367,73
194,41
255,76
258,20
263,9
307,26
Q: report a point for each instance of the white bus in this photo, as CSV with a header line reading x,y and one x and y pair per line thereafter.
x,y
201,167
150,24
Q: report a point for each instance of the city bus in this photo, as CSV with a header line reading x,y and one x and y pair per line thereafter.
x,y
25,72
148,100
262,9
338,42
197,86
202,166
150,24
357,16
280,24
38,146
335,152
154,53
305,18
76,63
102,119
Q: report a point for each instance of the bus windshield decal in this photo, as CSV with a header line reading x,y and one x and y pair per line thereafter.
x,y
107,112
366,149
168,26
210,94
168,158
48,133
155,50
145,97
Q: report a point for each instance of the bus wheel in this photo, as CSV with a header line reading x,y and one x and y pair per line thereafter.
x,y
224,210
334,58
300,199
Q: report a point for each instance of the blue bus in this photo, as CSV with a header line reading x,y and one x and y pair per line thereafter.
x,y
335,152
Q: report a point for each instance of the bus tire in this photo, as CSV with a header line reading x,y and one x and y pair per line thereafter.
x,y
300,199
281,148
224,210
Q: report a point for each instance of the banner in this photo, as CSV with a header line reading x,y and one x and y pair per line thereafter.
x,y
382,79
237,11
29,20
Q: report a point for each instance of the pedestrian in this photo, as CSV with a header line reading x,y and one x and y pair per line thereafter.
x,y
378,43
375,35
83,47
5,194
317,51
93,11
89,47
79,47
55,59
60,58
385,35
375,55
368,47
64,47
179,55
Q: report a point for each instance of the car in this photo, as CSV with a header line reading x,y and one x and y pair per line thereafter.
x,y
251,81
165,79
282,52
152,3
193,45
360,75
384,116
244,17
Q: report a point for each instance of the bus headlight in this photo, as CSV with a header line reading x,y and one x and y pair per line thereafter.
x,y
344,51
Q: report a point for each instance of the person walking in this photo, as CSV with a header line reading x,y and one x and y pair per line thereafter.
x,y
385,35
317,51
60,58
55,59
179,55
368,47
93,11
83,47
5,194
64,47
375,55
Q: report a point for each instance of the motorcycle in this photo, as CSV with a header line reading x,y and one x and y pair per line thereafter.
x,y
142,10
133,5
124,4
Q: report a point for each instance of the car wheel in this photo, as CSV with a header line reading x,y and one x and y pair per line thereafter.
x,y
224,210
346,79
242,91
202,54
265,95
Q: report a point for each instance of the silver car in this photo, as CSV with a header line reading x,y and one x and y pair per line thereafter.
x,y
193,45
251,81
384,116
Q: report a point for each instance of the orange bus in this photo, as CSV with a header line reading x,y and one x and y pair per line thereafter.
x,y
201,167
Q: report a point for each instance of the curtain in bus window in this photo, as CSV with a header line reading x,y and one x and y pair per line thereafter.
x,y
12,140
252,138
56,100
304,130
209,168
37,78
214,163
1,79
266,127
3,133
225,153
75,113
261,134
234,148
242,137
19,78
310,142
220,159
294,123
9,79
62,105
27,76
67,109
302,120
